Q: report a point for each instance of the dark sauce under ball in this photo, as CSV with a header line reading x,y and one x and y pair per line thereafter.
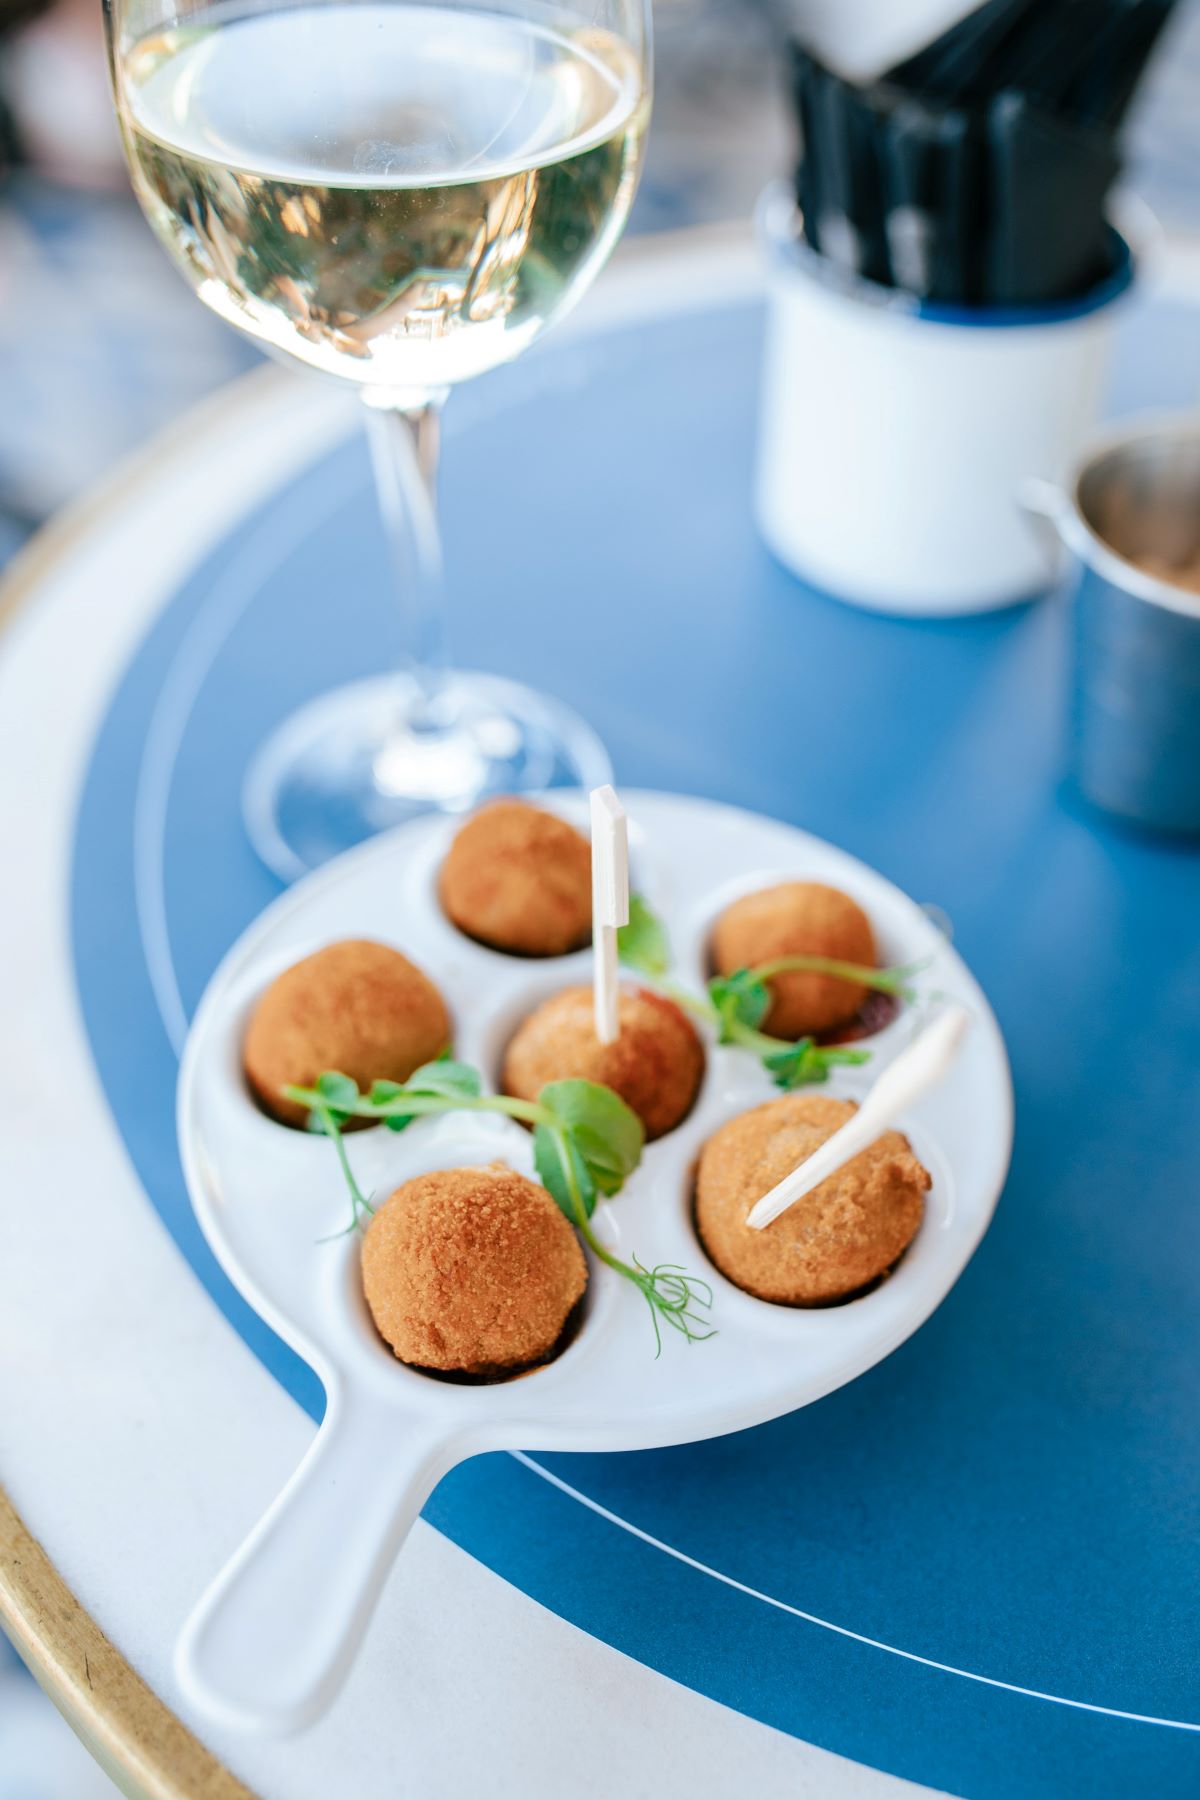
x,y
874,1015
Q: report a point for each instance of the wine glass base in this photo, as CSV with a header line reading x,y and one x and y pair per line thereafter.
x,y
346,766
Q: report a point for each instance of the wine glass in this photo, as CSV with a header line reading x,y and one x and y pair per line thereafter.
x,y
401,196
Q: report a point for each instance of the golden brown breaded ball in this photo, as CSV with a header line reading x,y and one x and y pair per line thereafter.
x,y
519,879
798,918
355,1006
835,1241
656,1063
474,1270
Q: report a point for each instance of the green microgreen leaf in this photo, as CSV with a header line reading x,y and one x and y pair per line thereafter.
x,y
443,1079
382,1094
323,1118
336,1092
642,944
563,1173
897,981
738,999
670,1292
445,1076
806,1063
673,1297
606,1133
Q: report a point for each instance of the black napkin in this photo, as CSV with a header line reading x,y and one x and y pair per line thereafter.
x,y
838,182
977,171
932,199
1049,181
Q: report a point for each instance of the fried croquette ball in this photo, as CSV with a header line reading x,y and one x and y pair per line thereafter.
x,y
798,918
836,1240
519,879
355,1006
474,1270
656,1063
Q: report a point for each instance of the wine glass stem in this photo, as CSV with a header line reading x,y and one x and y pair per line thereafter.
x,y
404,443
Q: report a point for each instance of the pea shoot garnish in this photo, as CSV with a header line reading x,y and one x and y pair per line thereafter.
x,y
586,1143
734,1006
643,943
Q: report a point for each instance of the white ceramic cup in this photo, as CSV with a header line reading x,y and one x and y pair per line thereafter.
x,y
895,435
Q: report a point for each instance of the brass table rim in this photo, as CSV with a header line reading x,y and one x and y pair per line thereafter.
x,y
136,1739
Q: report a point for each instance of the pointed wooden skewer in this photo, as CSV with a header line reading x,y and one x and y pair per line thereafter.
x,y
915,1071
610,905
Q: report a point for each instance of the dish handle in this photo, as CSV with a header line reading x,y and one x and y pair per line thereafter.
x,y
271,1641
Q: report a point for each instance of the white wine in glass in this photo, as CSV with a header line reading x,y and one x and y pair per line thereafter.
x,y
402,196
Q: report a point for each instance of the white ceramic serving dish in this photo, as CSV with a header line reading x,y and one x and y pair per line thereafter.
x,y
271,1640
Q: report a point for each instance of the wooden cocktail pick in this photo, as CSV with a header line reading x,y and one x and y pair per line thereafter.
x,y
915,1071
610,904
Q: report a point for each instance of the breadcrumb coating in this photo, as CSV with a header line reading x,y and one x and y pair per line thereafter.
x,y
656,1063
471,1270
519,879
355,1006
836,1240
798,918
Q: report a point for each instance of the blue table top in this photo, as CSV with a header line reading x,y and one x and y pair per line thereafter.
x,y
976,1566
